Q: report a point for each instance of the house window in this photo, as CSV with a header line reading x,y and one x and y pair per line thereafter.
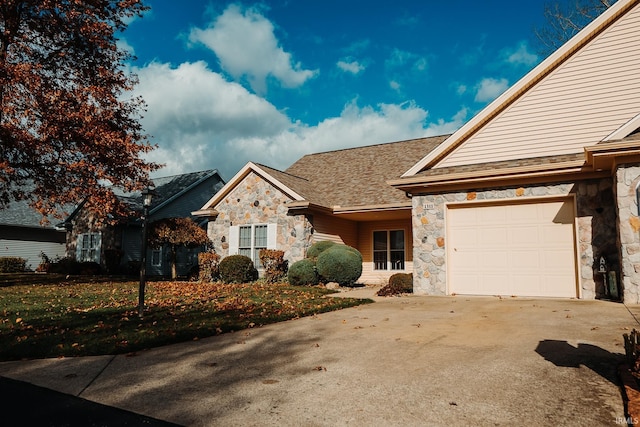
x,y
156,257
88,247
252,238
388,250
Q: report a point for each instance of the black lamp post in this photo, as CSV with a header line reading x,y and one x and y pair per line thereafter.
x,y
147,194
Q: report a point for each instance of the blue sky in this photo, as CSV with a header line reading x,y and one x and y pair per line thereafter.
x,y
229,82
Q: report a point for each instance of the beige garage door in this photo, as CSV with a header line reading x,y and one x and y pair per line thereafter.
x,y
524,249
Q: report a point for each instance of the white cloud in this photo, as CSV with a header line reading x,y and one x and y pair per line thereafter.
x,y
394,85
246,46
353,67
521,56
488,89
201,121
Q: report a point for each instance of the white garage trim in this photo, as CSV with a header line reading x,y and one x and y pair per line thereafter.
x,y
515,247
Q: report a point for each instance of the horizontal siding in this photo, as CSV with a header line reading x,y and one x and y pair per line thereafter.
x,y
327,227
578,104
30,250
379,277
365,246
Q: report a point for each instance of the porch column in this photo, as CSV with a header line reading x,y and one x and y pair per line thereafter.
x,y
627,180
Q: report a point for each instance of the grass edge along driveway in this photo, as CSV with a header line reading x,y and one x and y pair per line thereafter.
x,y
81,319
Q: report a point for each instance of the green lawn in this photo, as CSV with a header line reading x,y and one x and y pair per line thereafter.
x,y
74,318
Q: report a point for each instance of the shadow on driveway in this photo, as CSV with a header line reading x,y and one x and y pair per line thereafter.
x,y
599,360
29,405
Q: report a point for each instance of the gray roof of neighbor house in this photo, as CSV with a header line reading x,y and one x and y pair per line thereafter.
x,y
356,176
165,189
20,214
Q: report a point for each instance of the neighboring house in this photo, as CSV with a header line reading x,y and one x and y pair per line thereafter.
x,y
339,195
527,197
523,200
23,235
117,247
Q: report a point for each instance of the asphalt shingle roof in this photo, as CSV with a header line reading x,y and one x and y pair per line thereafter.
x,y
356,176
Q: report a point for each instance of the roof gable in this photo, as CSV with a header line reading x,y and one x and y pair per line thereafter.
x,y
344,178
578,96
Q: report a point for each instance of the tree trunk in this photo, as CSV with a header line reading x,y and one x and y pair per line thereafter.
x,y
174,270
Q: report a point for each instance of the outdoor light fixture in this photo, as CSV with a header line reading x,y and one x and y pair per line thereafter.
x,y
147,195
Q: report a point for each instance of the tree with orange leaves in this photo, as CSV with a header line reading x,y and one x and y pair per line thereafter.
x,y
68,130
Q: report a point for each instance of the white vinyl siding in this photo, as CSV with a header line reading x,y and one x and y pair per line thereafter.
x,y
578,104
516,249
30,250
249,239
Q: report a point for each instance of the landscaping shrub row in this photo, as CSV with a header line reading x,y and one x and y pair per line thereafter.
x,y
327,262
12,264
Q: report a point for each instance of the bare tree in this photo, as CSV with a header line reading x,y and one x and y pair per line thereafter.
x,y
564,19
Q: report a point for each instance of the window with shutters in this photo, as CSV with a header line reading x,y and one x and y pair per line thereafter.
x,y
88,247
252,238
388,250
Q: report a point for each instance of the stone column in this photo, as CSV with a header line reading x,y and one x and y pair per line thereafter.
x,y
627,180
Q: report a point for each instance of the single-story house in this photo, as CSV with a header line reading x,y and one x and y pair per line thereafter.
x,y
117,247
537,195
338,195
24,235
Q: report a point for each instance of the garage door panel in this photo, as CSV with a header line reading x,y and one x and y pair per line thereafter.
x,y
524,235
522,259
524,249
491,237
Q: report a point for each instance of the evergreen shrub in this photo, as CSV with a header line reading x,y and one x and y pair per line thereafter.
x,y
237,269
317,248
399,283
303,273
12,264
340,264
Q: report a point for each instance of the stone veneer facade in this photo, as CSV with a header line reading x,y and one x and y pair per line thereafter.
x,y
596,232
627,180
256,201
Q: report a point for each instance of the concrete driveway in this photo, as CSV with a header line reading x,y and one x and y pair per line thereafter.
x,y
405,361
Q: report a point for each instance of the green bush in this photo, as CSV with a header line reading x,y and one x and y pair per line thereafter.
x,y
275,266
303,273
65,266
209,266
317,248
73,267
237,269
399,283
340,264
12,264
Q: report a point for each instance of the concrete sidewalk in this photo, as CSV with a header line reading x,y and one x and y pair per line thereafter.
x,y
406,361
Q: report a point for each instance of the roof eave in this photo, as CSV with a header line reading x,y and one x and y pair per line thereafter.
x,y
526,175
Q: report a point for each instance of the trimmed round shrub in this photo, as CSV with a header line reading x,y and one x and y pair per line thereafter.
x,y
237,269
340,264
319,247
350,249
399,283
303,273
